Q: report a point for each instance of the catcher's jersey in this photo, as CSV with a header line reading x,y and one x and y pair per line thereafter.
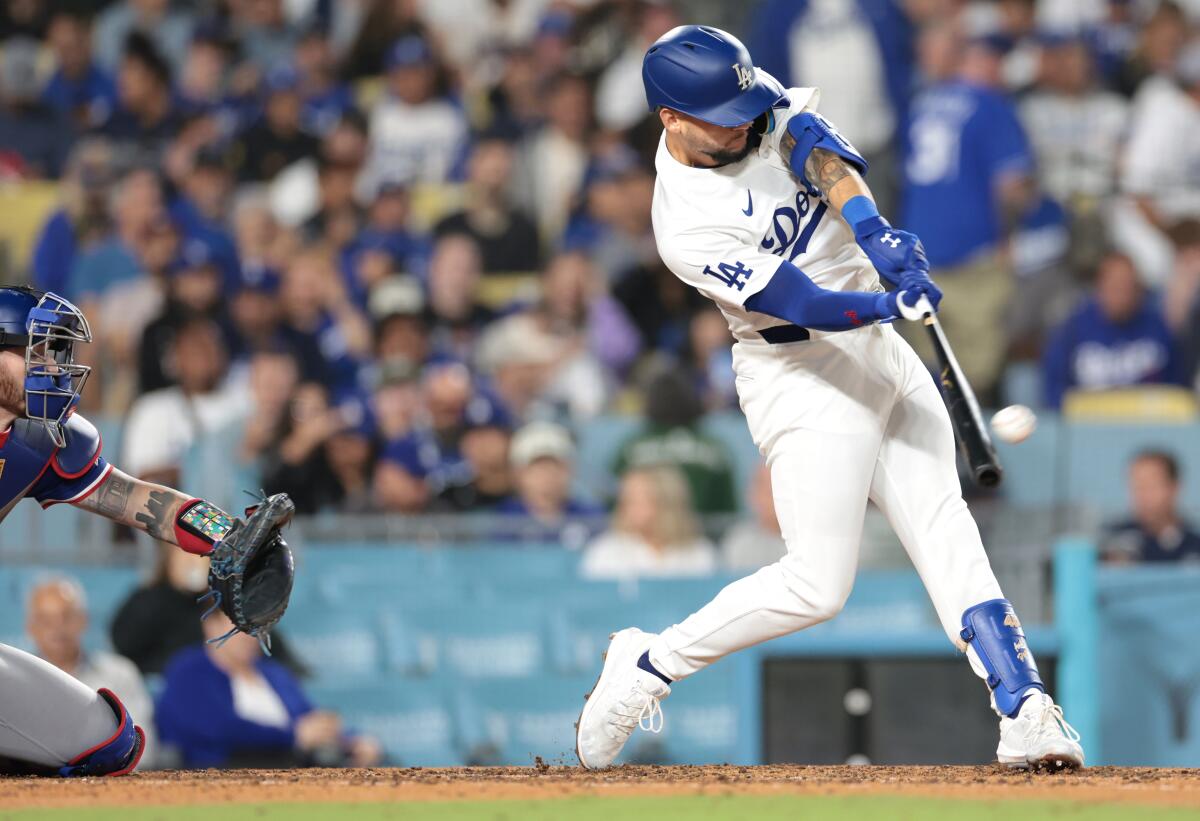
x,y
32,465
725,230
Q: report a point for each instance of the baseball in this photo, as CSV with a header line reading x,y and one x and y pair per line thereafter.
x,y
1014,424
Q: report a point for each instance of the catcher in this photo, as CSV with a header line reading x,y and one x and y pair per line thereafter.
x,y
50,723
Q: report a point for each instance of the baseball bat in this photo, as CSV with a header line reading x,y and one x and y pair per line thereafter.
x,y
973,439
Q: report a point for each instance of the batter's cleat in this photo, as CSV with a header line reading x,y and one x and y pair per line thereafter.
x,y
1039,737
116,756
625,697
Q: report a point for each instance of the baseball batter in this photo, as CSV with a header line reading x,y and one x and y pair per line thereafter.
x,y
51,723
760,204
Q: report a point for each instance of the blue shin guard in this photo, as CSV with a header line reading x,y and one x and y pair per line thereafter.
x,y
993,630
116,756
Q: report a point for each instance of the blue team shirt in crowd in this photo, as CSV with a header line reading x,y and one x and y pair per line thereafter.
x,y
95,92
960,140
1090,352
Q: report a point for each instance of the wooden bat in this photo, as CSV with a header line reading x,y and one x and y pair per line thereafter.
x,y
973,437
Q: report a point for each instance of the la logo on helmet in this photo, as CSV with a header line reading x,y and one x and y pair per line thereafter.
x,y
745,76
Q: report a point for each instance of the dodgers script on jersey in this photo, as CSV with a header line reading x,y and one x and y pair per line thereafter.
x,y
725,230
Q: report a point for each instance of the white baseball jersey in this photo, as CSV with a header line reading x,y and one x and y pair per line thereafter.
x,y
725,230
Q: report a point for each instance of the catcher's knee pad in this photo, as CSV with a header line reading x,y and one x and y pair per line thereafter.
x,y
993,629
116,756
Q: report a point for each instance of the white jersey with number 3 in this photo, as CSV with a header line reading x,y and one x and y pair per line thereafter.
x,y
725,230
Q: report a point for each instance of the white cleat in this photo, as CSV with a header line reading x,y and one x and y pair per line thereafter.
x,y
625,697
1039,737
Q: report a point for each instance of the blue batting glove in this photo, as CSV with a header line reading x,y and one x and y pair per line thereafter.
x,y
919,282
893,252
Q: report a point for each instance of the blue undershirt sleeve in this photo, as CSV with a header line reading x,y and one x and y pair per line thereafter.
x,y
792,296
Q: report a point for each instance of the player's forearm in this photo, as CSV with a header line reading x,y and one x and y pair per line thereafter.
x,y
792,296
154,509
838,181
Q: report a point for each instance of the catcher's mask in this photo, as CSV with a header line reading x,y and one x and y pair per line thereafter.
x,y
53,380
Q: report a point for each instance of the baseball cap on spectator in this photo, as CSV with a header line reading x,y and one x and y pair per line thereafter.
x,y
485,411
408,51
616,164
259,277
396,296
540,440
195,253
556,23
516,340
281,78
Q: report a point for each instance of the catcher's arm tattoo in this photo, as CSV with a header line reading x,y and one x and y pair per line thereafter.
x,y
162,512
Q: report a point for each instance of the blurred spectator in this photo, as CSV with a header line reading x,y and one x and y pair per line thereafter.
x,y
264,32
163,424
193,289
153,19
710,359
278,138
456,315
79,90
1076,127
296,193
542,456
506,236
401,330
36,137
329,334
968,182
620,97
204,84
456,458
672,436
162,617
859,54
757,541
272,380
553,159
577,310
56,618
540,374
417,131
384,24
83,219
338,219
1116,338
146,118
1156,532
654,531
225,705
137,212
204,181
326,98
1160,174
613,225
323,457
660,305
384,247
1158,41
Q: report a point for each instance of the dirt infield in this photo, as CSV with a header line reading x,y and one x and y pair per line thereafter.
x,y
1175,787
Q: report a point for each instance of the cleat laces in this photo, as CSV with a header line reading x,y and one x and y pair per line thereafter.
x,y
644,711
1051,722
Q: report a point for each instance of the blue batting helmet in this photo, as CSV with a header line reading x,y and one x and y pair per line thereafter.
x,y
707,73
46,327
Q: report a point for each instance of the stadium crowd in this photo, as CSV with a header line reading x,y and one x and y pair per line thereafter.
x,y
404,248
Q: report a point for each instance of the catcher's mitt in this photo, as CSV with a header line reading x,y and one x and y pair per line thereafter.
x,y
251,570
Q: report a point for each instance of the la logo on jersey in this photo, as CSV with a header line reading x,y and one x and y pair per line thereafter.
x,y
734,276
745,76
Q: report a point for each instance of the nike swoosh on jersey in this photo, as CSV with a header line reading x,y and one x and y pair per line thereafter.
x,y
749,209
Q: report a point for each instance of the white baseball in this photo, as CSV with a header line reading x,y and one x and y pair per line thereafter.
x,y
1014,424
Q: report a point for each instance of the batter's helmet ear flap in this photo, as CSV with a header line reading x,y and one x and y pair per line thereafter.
x,y
707,73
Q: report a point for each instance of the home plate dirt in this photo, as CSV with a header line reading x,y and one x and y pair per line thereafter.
x,y
1142,785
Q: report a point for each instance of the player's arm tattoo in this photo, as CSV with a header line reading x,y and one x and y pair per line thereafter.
x,y
156,517
137,503
825,169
